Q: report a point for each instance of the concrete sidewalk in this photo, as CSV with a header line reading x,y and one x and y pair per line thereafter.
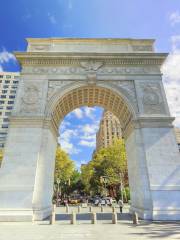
x,y
100,231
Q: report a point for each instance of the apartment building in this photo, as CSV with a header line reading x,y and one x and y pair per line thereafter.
x,y
109,129
8,87
177,133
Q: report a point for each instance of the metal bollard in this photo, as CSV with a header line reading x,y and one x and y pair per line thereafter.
x,y
102,209
67,208
52,218
113,209
94,218
79,209
135,218
73,218
90,209
114,218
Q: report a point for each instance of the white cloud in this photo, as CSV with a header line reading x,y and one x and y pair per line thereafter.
x,y
88,134
52,18
87,143
78,113
64,125
171,77
5,57
174,18
69,147
89,112
66,141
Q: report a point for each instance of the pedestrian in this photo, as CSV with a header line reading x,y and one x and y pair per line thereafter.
x,y
120,203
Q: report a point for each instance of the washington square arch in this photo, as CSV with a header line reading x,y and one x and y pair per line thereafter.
x,y
59,75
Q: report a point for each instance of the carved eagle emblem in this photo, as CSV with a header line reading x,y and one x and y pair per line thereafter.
x,y
91,65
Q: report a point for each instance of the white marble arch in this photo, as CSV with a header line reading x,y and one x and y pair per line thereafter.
x,y
59,75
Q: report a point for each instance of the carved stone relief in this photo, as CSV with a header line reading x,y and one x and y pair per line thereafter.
x,y
91,65
152,99
30,101
38,48
54,85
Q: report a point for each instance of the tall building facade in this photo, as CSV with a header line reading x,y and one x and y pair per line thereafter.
x,y
8,87
177,133
109,129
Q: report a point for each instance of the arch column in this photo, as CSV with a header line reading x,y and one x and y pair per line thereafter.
x,y
154,169
28,169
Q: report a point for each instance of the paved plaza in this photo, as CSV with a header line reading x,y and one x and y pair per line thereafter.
x,y
101,231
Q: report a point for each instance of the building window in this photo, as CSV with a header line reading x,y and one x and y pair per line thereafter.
x,y
10,102
7,113
11,96
3,96
4,91
14,87
15,82
13,91
1,102
179,146
4,125
16,77
5,119
5,86
1,145
1,76
8,76
9,107
7,81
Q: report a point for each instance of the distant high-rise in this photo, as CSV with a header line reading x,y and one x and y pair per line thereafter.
x,y
177,132
8,87
109,129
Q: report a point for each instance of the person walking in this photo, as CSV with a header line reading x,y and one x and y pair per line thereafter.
x,y
120,203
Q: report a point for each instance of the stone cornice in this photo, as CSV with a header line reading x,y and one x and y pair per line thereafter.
x,y
72,59
153,122
33,122
95,40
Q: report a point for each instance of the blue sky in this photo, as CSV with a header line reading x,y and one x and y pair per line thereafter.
x,y
159,19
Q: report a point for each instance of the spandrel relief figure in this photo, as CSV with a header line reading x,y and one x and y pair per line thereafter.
x,y
30,100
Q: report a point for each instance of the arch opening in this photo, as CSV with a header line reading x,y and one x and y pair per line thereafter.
x,y
93,96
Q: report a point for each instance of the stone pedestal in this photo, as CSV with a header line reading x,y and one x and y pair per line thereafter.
x,y
27,173
154,169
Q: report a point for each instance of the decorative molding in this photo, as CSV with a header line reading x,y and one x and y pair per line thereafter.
x,y
104,70
91,65
139,48
153,122
89,61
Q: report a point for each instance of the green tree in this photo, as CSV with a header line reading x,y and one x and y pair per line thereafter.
x,y
109,164
64,169
76,183
1,156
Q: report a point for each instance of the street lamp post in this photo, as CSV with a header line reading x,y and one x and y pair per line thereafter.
x,y
104,179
